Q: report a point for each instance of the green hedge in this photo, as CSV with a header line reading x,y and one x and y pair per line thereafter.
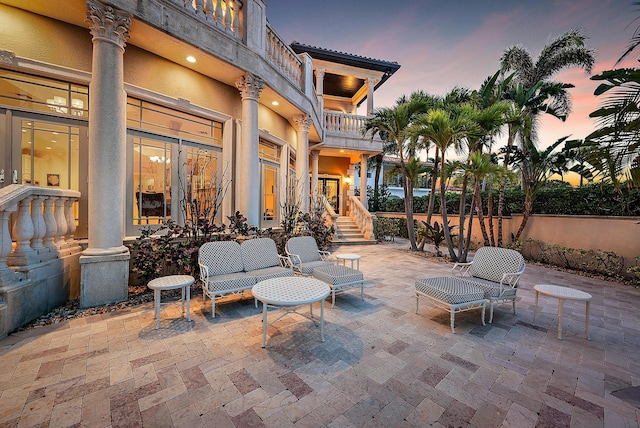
x,y
586,200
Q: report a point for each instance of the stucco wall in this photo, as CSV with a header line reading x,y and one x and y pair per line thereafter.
x,y
618,234
34,36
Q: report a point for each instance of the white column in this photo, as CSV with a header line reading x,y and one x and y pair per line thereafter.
x,y
104,265
248,185
303,122
370,85
320,88
363,179
107,130
315,156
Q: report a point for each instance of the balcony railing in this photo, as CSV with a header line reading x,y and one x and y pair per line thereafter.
x,y
362,217
223,14
43,226
344,124
283,57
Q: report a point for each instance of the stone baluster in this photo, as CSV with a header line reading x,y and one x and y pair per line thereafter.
x,y
22,233
199,7
71,221
218,12
39,226
208,9
5,243
61,222
235,25
50,224
226,19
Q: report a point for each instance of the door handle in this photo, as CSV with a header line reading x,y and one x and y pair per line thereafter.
x,y
1,176
14,176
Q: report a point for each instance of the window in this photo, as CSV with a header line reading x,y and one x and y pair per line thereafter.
x,y
42,94
269,172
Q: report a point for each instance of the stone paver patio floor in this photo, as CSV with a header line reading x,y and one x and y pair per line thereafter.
x,y
381,364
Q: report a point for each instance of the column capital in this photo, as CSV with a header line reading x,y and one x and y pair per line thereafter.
x,y
107,23
303,122
315,153
319,73
250,87
371,82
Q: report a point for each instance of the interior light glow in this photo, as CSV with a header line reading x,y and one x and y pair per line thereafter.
x,y
191,59
275,103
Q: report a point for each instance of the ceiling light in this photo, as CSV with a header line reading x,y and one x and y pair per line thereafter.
x,y
275,103
191,59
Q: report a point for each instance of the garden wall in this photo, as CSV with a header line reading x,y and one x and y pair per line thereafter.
x,y
620,235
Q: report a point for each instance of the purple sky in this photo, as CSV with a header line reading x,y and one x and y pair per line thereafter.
x,y
445,43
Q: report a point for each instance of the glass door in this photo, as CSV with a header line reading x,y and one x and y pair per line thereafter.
x,y
269,202
330,188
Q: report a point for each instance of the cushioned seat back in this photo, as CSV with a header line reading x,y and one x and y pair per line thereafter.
x,y
259,253
221,257
305,247
491,263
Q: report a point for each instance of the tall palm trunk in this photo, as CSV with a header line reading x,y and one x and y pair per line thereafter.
x,y
462,209
432,193
490,212
477,198
443,211
503,182
376,186
408,206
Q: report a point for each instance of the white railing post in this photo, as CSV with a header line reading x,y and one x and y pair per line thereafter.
x,y
61,222
5,242
50,223
22,234
39,226
71,221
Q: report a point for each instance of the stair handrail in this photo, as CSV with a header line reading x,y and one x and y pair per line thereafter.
x,y
328,211
362,217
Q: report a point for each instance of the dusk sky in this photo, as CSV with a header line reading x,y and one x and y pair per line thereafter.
x,y
441,44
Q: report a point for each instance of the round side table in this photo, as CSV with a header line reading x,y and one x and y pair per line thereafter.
x,y
172,282
351,257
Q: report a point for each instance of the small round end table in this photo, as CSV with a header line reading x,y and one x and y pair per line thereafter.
x,y
172,282
351,257
562,294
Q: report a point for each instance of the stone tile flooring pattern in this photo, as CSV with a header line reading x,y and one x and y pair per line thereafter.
x,y
382,365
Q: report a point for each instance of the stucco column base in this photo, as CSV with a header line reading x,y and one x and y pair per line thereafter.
x,y
104,279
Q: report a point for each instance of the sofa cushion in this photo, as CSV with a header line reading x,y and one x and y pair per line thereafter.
x,y
221,257
491,263
308,267
230,282
259,253
270,272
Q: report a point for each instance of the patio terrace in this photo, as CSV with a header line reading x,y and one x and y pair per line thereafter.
x,y
381,364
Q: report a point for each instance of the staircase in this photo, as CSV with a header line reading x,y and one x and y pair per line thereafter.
x,y
348,233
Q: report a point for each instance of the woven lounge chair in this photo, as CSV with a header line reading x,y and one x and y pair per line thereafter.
x,y
491,277
305,256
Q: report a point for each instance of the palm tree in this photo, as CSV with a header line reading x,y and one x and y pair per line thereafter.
x,y
445,128
393,124
536,167
533,91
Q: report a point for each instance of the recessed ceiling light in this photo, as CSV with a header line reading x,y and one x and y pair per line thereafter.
x,y
191,59
275,103
48,148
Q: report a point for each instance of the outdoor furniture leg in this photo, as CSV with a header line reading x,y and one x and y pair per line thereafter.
x,y
535,306
560,303
156,298
188,289
453,318
322,319
264,324
586,322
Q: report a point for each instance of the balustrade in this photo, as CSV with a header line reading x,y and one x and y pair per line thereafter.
x,y
283,57
342,123
222,14
43,225
361,216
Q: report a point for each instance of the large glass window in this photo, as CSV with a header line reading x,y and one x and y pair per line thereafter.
x,y
202,198
151,180
42,94
269,173
49,154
